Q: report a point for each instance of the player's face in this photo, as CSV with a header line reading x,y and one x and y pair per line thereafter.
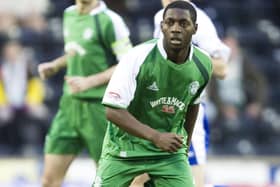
x,y
166,2
177,28
85,2
11,51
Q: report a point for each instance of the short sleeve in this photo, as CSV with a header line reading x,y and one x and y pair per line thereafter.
x,y
121,88
121,43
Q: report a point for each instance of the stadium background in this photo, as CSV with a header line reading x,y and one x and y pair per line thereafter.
x,y
247,157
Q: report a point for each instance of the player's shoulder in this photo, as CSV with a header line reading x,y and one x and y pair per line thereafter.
x,y
142,50
159,14
203,57
200,51
70,9
202,16
112,16
145,47
198,10
137,56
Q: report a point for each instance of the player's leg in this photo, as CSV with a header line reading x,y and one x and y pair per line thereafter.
x,y
198,149
62,143
199,175
119,173
197,168
55,167
173,171
140,180
93,127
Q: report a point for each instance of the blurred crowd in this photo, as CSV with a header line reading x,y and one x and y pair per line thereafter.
x,y
244,109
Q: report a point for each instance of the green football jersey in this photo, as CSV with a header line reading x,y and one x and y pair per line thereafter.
x,y
155,91
96,38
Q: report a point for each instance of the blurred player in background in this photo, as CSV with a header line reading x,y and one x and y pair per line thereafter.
x,y
22,94
94,37
207,39
152,103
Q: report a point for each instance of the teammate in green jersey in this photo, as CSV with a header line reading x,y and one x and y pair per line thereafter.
x,y
94,36
152,103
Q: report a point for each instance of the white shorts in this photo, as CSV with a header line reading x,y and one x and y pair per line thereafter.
x,y
200,138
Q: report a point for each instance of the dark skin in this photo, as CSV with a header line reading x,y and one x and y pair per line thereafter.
x,y
191,116
169,142
177,28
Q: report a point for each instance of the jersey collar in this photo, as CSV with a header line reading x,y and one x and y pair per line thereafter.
x,y
101,7
163,52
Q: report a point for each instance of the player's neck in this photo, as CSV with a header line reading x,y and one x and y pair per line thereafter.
x,y
177,56
85,9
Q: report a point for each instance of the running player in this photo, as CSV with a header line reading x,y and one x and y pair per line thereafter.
x,y
94,36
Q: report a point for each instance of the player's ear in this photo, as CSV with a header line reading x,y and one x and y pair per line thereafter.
x,y
195,28
161,24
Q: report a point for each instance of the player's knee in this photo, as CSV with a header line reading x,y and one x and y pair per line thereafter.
x,y
50,181
140,180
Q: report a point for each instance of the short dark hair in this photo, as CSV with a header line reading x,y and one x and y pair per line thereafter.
x,y
182,5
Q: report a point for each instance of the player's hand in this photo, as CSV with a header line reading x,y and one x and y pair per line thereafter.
x,y
47,69
77,83
254,110
169,142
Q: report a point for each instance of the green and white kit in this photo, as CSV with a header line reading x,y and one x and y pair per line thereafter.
x,y
96,40
157,92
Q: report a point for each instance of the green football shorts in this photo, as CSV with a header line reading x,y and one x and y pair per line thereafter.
x,y
164,172
78,124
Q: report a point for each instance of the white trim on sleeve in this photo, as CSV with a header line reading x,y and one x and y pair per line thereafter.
x,y
121,88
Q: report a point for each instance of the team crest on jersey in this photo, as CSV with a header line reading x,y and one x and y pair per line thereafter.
x,y
88,32
193,87
74,46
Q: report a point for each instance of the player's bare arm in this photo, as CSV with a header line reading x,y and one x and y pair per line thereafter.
x,y
79,83
48,69
191,116
169,142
